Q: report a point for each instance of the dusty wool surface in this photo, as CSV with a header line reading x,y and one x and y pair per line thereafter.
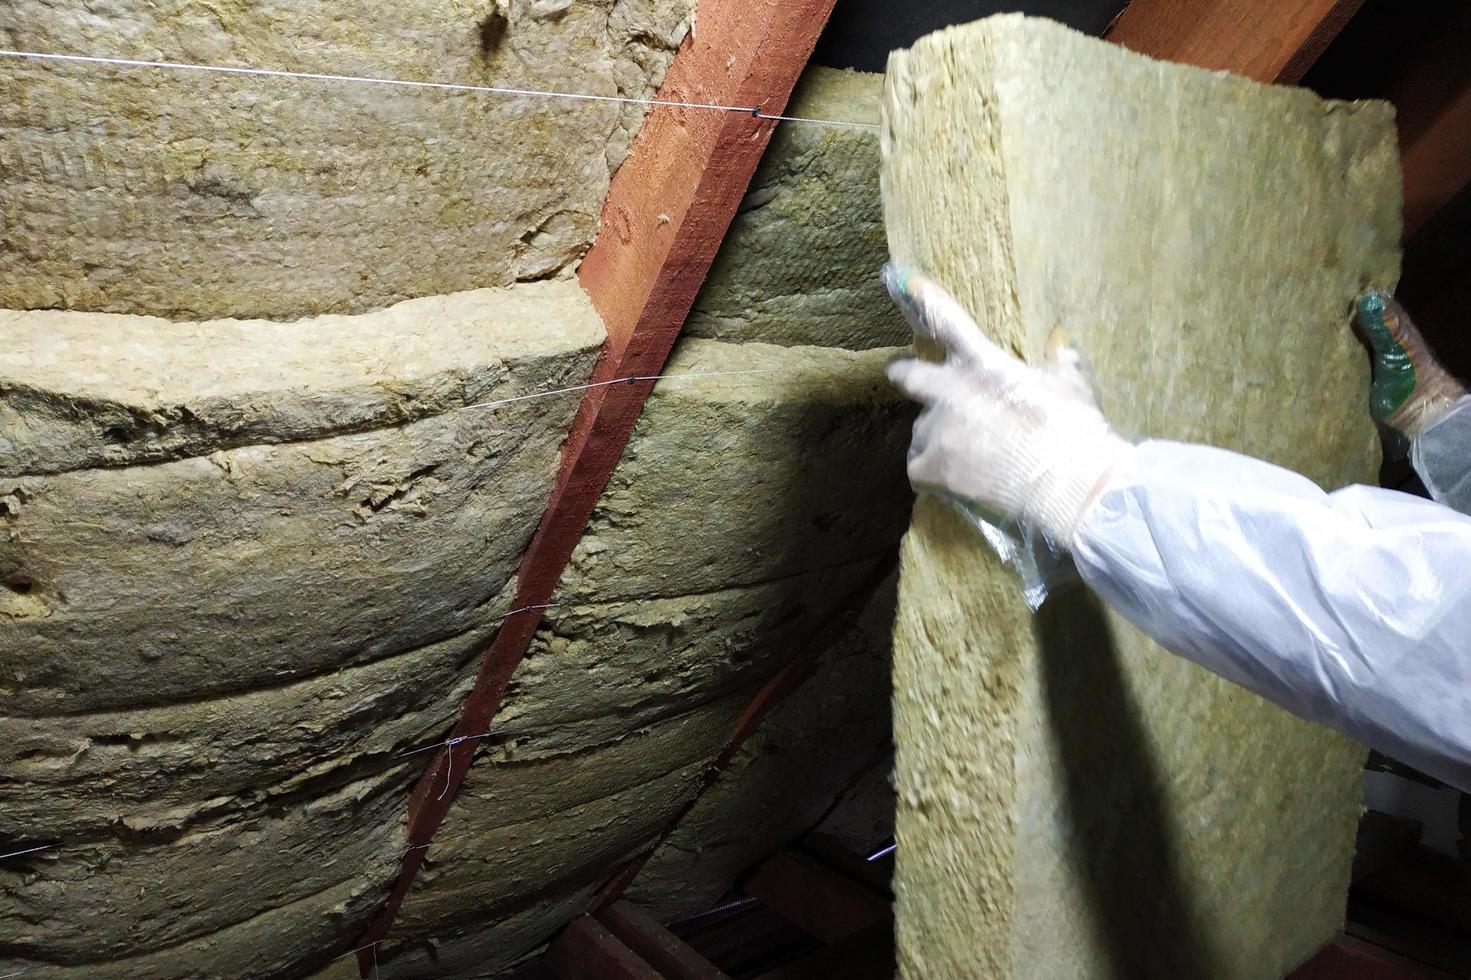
x,y
212,651
247,561
718,547
1073,800
202,196
797,266
720,544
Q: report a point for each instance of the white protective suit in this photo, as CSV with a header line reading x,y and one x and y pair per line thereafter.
x,y
1352,609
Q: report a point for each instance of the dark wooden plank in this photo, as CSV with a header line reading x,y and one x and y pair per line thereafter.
x,y
662,949
1268,40
586,950
829,905
747,940
874,875
868,955
1437,163
1347,958
666,214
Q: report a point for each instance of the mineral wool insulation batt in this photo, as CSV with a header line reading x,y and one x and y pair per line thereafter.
x,y
1075,801
268,464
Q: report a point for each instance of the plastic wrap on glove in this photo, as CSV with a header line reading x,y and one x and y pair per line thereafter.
x,y
1442,456
1351,609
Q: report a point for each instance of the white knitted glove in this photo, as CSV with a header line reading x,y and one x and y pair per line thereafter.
x,y
1025,444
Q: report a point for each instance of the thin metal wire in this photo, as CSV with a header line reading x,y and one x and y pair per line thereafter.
x,y
29,850
754,111
882,852
449,741
632,379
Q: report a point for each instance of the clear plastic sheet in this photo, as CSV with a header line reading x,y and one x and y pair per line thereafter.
x,y
1041,563
1441,456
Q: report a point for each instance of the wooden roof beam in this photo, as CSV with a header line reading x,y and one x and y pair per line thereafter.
x,y
665,217
1267,40
1437,163
671,956
587,949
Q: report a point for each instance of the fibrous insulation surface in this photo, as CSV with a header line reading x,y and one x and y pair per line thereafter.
x,y
204,196
249,562
213,651
1075,801
797,263
245,563
721,544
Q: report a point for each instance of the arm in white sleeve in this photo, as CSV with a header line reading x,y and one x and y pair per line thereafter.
x,y
1441,454
1351,609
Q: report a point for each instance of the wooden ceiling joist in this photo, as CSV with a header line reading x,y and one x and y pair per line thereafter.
x,y
1267,40
587,948
665,217
1437,163
656,945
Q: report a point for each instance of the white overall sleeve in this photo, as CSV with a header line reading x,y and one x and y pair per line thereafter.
x,y
1441,454
1351,609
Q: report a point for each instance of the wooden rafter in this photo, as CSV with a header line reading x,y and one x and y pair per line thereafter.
x,y
1437,162
823,902
1349,957
586,948
656,945
665,217
1268,40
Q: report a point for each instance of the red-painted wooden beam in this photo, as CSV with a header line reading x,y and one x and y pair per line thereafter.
x,y
672,957
666,214
823,902
1268,40
587,950
1437,163
1347,958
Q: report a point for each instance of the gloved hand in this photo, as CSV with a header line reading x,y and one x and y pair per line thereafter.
x,y
1023,443
1410,389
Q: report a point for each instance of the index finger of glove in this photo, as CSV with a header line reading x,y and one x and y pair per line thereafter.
x,y
934,314
922,381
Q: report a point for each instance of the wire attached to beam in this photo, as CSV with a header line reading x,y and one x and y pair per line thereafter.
x,y
451,742
753,111
632,379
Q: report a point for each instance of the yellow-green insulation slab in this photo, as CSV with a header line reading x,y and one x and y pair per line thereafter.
x,y
1073,800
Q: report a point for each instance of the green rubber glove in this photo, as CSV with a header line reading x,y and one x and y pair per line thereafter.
x,y
1410,389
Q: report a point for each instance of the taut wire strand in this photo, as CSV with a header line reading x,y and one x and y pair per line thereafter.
x,y
754,111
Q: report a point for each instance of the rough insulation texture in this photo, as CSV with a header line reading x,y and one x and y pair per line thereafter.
x,y
298,535
199,195
799,263
85,391
861,820
782,781
1075,801
535,824
720,541
211,661
729,480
